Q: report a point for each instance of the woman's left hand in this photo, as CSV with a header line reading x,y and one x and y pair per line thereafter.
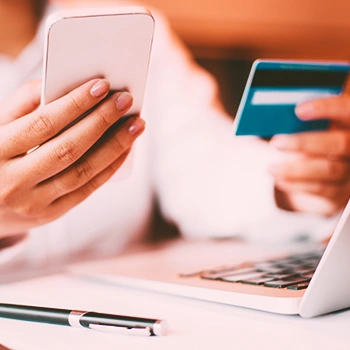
x,y
317,178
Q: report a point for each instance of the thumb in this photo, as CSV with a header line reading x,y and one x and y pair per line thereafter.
x,y
335,108
23,101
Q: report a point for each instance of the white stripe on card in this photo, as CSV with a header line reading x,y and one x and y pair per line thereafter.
x,y
281,97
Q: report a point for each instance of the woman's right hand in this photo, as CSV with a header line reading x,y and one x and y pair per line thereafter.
x,y
39,186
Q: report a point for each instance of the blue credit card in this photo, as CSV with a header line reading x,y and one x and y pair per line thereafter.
x,y
273,90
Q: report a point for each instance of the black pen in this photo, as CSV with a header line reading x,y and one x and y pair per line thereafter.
x,y
85,319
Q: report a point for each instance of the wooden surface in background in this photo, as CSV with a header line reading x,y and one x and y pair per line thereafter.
x,y
261,28
303,28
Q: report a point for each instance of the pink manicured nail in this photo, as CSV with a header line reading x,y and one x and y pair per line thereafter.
x,y
285,143
305,110
124,100
100,88
137,126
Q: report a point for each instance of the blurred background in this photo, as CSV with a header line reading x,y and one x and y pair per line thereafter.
x,y
227,35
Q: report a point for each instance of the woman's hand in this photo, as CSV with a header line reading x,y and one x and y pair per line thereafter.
x,y
317,178
38,186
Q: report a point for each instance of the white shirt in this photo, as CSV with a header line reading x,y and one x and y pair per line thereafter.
x,y
207,182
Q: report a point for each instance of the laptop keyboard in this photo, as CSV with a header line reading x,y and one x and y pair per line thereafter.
x,y
293,272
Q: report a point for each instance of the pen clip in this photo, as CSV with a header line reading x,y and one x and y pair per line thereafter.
x,y
144,331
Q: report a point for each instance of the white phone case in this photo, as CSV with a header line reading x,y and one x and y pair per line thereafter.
x,y
114,43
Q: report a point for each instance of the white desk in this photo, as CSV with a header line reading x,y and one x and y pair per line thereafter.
x,y
193,324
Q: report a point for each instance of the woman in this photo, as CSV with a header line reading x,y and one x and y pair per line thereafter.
x,y
59,203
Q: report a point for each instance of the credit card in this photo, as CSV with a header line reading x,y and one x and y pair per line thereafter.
x,y
275,88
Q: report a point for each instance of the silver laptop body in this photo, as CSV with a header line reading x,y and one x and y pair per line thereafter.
x,y
213,271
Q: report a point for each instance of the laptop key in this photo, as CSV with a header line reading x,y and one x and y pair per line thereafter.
x,y
304,271
257,281
242,277
286,283
264,265
274,270
291,263
220,274
299,286
281,276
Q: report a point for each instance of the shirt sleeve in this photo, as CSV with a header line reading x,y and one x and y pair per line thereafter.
x,y
208,182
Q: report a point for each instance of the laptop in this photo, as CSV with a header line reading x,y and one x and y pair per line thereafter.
x,y
300,279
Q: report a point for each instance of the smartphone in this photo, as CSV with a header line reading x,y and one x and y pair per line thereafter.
x,y
273,90
112,43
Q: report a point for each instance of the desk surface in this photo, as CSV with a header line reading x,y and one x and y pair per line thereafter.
x,y
193,324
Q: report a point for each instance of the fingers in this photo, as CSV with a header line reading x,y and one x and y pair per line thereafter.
x,y
38,202
313,203
336,108
25,100
65,203
36,128
105,154
312,169
319,181
332,143
65,149
313,185
320,188
33,209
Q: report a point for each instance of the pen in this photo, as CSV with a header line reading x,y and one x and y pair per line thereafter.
x,y
85,319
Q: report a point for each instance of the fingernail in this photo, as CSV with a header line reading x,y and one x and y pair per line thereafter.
x,y
305,110
124,100
285,143
137,126
100,88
